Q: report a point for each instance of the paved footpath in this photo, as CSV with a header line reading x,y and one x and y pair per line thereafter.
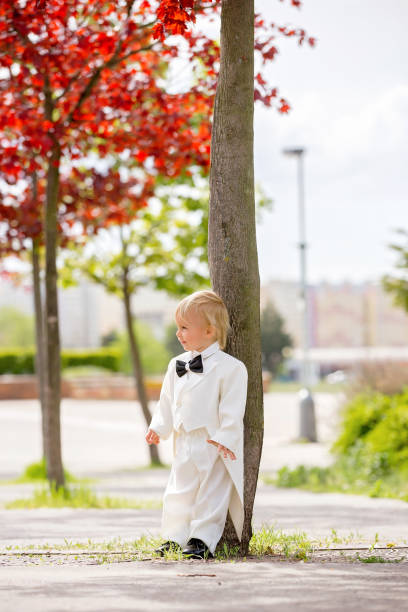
x,y
199,585
327,581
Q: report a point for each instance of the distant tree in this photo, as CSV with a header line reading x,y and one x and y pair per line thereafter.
x,y
110,338
16,328
153,354
172,343
273,338
163,247
398,285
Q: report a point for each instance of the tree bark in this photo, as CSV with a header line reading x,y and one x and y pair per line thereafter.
x,y
39,334
55,472
232,249
137,368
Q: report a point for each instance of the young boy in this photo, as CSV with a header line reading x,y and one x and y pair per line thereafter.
x,y
202,402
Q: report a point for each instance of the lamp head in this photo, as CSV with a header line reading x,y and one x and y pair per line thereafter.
x,y
298,151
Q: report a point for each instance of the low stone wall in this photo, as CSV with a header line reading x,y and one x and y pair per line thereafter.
x,y
115,386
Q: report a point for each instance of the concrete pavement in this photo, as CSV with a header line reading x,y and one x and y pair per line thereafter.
x,y
101,436
106,440
200,585
290,510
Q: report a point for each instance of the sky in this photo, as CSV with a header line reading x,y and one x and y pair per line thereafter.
x,y
349,98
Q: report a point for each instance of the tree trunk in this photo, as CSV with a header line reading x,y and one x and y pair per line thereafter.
x,y
55,472
138,370
39,334
232,249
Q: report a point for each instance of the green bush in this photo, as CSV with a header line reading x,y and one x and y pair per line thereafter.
x,y
375,429
115,357
17,360
21,361
107,357
359,417
371,450
390,437
301,475
37,471
154,355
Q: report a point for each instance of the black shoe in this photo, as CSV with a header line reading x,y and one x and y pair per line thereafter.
x,y
197,549
169,544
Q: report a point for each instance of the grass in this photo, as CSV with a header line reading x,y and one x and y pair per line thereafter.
x,y
337,479
76,493
370,456
81,496
374,559
37,472
271,541
266,542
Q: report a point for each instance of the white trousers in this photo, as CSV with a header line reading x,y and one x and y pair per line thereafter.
x,y
197,495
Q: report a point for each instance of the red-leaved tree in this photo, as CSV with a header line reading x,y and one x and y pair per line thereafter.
x,y
84,76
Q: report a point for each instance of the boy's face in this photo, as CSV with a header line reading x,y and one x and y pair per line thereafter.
x,y
194,333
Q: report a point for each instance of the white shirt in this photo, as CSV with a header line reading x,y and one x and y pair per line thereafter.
x,y
206,358
206,352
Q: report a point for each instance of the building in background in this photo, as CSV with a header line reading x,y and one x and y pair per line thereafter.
x,y
87,313
341,314
347,320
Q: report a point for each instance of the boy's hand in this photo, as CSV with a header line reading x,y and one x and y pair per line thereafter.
x,y
223,449
152,437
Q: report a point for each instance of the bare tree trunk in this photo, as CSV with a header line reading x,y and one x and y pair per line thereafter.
x,y
137,369
232,249
55,472
39,334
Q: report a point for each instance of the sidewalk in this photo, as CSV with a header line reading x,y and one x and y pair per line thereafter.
x,y
290,510
78,585
321,583
199,585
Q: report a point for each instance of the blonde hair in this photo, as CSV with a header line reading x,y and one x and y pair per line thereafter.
x,y
211,307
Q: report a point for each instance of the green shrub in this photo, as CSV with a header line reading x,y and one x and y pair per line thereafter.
x,y
390,437
371,452
107,357
21,360
301,475
359,417
17,360
37,471
153,354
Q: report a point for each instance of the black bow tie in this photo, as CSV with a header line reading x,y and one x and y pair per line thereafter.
x,y
195,364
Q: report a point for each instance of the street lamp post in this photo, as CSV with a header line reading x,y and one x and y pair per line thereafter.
x,y
307,422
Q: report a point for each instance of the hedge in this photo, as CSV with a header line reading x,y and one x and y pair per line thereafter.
x,y
21,361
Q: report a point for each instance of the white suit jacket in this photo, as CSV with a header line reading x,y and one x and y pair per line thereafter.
x,y
215,399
